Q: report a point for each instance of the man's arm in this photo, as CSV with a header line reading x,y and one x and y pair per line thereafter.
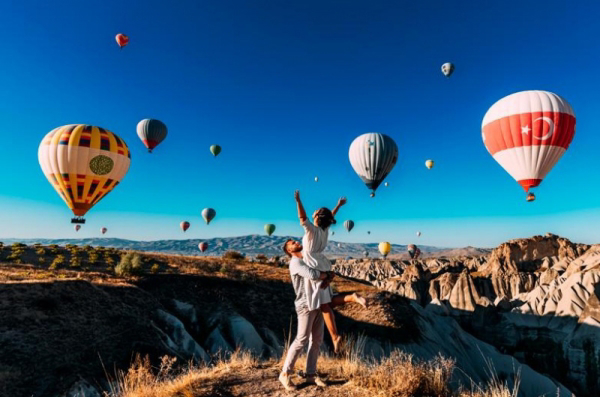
x,y
301,212
341,202
297,267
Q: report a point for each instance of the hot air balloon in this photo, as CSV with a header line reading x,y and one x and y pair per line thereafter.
x,y
447,69
151,132
373,155
386,184
332,232
418,234
185,225
369,232
269,228
530,197
122,40
208,214
316,179
429,164
103,230
385,248
339,245
77,227
349,225
366,253
203,246
215,150
527,133
413,251
83,163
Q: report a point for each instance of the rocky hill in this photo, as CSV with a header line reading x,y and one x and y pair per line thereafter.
x,y
537,299
67,318
250,245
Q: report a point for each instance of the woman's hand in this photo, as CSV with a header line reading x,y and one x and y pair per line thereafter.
x,y
297,195
341,201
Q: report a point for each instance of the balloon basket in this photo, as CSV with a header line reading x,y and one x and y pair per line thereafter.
x,y
79,221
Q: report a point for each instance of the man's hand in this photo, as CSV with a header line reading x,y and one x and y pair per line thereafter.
x,y
341,201
297,195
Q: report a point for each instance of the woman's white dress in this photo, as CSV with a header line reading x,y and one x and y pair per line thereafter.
x,y
314,243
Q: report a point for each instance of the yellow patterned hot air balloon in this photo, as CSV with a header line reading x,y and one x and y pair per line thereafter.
x,y
83,163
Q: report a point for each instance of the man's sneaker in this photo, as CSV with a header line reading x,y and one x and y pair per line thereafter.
x,y
315,380
286,381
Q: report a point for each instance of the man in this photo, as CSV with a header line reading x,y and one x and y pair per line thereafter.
x,y
310,322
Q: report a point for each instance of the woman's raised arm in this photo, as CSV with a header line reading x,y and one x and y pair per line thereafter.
x,y
301,212
341,202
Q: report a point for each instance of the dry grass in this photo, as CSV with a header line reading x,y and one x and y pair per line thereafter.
x,y
399,375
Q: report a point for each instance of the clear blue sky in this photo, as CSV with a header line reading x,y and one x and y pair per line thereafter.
x,y
284,87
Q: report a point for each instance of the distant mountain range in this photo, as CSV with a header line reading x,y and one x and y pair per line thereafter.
x,y
250,245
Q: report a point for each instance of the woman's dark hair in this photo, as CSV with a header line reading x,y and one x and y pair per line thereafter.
x,y
324,218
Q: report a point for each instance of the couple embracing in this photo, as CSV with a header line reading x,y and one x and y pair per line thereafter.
x,y
311,277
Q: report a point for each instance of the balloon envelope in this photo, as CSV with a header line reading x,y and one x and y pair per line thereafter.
x,y
77,227
385,248
373,155
185,225
269,228
208,214
215,150
203,246
122,40
151,132
103,230
418,234
447,69
83,163
527,133
429,164
349,225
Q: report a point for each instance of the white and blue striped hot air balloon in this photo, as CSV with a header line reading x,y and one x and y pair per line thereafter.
x,y
373,155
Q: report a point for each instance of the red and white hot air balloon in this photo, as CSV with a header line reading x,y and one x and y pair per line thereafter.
x,y
203,246
527,133
103,230
122,40
185,225
77,227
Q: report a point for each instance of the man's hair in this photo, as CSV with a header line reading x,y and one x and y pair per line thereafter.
x,y
285,247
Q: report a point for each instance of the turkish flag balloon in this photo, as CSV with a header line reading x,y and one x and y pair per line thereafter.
x,y
122,40
527,133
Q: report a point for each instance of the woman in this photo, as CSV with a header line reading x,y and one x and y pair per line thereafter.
x,y
319,292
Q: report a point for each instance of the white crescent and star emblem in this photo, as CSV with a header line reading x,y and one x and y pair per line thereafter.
x,y
525,130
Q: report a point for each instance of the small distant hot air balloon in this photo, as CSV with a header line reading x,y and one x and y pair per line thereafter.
x,y
151,132
447,69
366,253
349,225
203,246
269,228
369,232
386,184
530,197
339,245
103,230
413,251
527,133
418,234
316,179
77,227
373,155
215,150
83,163
385,248
208,214
122,40
185,225
429,164
332,232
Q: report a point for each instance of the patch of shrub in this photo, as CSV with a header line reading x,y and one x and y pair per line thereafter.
x,y
233,255
37,245
40,251
57,262
130,265
92,258
226,269
70,246
75,261
155,268
261,258
41,260
18,245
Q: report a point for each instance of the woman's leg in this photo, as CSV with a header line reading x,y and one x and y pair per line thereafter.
x,y
348,297
329,318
